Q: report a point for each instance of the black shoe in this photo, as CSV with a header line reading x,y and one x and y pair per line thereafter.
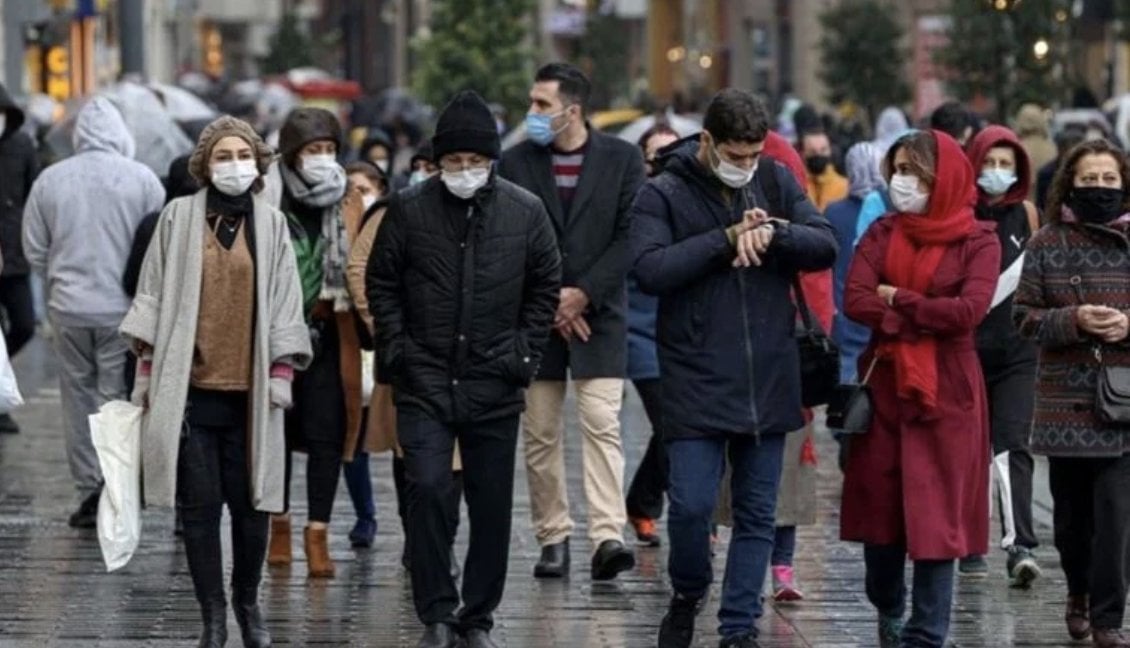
x,y
554,561
1022,567
456,572
746,640
8,425
215,617
439,635
252,628
479,639
611,558
973,567
677,628
363,533
86,517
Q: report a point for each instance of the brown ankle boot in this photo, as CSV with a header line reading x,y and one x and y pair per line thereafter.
x,y
278,551
1112,638
318,553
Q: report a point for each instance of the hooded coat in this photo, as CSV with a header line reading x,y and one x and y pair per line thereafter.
x,y
918,477
164,316
18,168
81,216
1012,215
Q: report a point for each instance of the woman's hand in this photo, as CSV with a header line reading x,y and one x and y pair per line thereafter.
x,y
886,293
1106,323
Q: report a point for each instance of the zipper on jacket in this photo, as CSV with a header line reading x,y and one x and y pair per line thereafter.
x,y
749,358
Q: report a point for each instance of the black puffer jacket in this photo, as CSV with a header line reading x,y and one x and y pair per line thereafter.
x,y
463,294
18,168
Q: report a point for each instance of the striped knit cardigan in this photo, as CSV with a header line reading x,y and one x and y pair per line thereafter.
x,y
1065,266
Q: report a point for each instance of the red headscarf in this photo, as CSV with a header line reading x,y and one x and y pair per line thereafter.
x,y
918,242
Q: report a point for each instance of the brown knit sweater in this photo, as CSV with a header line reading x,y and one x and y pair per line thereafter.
x,y
223,355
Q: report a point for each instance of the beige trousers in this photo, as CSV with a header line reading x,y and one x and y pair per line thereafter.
x,y
543,429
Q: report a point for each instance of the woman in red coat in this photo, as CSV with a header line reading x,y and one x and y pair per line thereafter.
x,y
915,483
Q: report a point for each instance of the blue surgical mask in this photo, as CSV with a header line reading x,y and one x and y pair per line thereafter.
x,y
539,128
996,182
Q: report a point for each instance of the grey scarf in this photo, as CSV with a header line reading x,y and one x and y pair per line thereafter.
x,y
327,195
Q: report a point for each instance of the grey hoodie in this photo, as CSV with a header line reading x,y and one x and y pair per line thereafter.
x,y
80,219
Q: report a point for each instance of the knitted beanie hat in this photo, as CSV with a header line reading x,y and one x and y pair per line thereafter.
x,y
227,126
466,125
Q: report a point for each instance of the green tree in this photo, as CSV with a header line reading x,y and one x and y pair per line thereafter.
x,y
478,45
1011,56
603,54
290,47
861,54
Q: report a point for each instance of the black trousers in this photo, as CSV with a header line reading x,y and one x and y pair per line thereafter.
x,y
1010,380
1092,531
15,298
400,482
645,494
316,424
212,470
488,450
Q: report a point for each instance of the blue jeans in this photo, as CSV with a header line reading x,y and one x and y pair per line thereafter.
x,y
932,594
784,546
696,467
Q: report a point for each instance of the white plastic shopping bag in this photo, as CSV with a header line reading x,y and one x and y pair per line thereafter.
x,y
367,358
10,397
116,431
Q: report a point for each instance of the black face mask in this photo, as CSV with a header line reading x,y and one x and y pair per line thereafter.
x,y
1096,205
817,163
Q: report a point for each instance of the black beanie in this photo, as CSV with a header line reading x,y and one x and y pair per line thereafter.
x,y
305,125
466,125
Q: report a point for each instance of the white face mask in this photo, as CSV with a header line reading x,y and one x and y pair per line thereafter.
x,y
316,169
732,175
235,177
466,182
417,177
906,196
382,165
368,201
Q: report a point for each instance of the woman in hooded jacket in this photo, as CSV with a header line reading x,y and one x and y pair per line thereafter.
x,y
914,483
217,325
1007,360
324,214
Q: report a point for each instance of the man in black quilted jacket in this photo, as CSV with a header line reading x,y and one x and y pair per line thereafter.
x,y
463,284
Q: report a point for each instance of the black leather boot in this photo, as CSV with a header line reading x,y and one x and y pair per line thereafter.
x,y
252,627
214,613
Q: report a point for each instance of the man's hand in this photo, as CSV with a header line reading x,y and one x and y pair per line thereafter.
x,y
752,244
1106,323
578,328
573,303
886,293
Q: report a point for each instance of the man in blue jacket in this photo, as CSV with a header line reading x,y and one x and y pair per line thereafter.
x,y
721,243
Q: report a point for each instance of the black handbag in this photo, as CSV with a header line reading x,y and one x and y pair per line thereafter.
x,y
1112,396
819,357
851,407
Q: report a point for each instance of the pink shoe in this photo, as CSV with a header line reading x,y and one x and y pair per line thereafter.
x,y
784,584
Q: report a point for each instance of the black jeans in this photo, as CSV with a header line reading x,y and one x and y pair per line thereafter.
x,y
316,424
1010,379
932,594
212,470
1092,531
488,450
15,297
645,495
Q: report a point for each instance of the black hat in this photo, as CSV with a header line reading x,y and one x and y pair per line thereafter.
x,y
423,152
305,125
466,125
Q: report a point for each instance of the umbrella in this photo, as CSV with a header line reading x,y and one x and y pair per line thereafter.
x,y
181,104
684,126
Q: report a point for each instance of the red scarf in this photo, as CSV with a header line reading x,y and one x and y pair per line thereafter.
x,y
918,243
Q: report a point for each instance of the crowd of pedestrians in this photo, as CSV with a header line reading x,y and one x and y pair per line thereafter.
x,y
266,301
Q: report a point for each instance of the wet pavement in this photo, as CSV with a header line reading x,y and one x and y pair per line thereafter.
x,y
54,590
